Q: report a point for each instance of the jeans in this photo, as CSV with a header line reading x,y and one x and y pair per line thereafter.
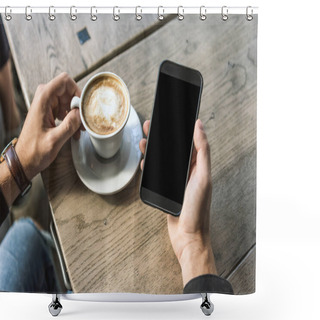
x,y
26,263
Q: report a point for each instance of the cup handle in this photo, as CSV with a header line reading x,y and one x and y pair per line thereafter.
x,y
75,103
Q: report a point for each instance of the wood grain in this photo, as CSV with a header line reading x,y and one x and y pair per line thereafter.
x,y
42,49
244,271
111,243
116,243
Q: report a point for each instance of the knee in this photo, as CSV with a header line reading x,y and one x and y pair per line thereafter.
x,y
23,235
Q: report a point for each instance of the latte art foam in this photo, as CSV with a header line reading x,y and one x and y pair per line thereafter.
x,y
105,106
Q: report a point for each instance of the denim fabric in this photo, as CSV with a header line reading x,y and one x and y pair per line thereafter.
x,y
26,263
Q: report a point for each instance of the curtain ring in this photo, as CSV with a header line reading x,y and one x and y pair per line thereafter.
x,y
8,17
28,11
51,15
138,16
73,16
180,13
249,16
93,16
160,16
116,17
203,13
224,13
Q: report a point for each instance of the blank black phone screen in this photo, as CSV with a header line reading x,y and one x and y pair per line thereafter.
x,y
170,137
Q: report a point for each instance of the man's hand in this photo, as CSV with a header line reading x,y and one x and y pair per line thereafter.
x,y
189,233
40,139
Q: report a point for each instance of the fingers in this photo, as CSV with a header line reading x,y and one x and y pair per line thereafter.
x,y
63,84
143,142
59,92
146,127
67,128
201,152
77,134
142,145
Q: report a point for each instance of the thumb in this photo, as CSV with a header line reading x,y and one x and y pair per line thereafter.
x,y
67,127
200,138
202,147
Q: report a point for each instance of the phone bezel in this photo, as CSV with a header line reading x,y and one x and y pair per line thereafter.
x,y
188,75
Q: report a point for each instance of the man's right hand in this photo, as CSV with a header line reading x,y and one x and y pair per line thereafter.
x,y
189,233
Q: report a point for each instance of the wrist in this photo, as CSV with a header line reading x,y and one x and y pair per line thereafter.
x,y
8,186
26,162
17,173
196,259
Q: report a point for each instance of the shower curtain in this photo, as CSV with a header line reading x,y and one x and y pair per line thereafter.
x,y
82,227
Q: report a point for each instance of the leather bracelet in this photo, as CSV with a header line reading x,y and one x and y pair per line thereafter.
x,y
16,170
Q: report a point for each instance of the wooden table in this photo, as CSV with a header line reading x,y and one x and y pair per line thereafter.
x,y
116,243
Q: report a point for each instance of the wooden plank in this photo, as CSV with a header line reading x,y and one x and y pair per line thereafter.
x,y
233,207
42,49
134,241
227,60
106,237
243,272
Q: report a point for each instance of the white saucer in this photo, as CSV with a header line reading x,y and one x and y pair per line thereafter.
x,y
108,176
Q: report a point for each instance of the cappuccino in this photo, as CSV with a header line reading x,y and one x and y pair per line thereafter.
x,y
105,105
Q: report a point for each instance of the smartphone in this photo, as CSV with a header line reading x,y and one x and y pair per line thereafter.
x,y
170,138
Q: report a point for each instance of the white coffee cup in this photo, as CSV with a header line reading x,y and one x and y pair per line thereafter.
x,y
106,145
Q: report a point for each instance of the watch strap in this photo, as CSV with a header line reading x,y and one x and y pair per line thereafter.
x,y
16,169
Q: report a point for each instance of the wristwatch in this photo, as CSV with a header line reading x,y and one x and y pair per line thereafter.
x,y
10,156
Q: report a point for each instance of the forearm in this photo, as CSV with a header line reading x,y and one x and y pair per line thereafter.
x,y
199,272
196,260
40,139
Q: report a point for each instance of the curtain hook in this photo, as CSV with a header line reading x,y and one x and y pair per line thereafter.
x,y
203,13
116,17
160,15
138,16
93,16
249,16
28,13
8,17
73,16
224,13
180,13
51,15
